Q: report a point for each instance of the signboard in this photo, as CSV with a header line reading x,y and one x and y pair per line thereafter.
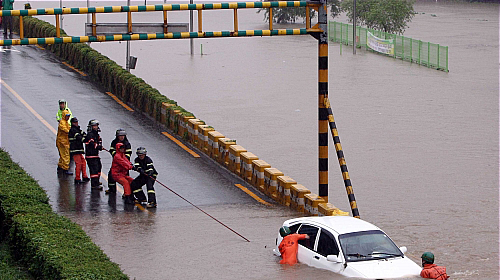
x,y
380,45
137,28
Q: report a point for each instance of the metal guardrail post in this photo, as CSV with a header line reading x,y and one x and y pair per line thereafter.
x,y
165,22
428,54
58,27
235,12
438,57
21,27
419,51
200,21
447,69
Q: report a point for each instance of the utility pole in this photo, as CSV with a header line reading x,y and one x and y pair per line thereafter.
x,y
322,96
61,6
191,28
354,27
127,62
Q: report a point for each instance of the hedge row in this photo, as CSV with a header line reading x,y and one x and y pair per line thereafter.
x,y
51,246
102,70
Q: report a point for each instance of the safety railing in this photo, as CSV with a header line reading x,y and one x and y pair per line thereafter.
x,y
405,48
166,34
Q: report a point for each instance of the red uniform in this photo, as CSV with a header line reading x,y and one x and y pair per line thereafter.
x,y
289,247
119,169
433,271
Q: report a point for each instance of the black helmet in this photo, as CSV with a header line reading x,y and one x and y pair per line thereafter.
x,y
93,122
141,151
74,119
121,132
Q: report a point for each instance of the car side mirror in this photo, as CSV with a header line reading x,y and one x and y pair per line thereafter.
x,y
333,258
403,249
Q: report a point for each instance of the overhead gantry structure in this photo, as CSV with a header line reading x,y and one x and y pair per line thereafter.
x,y
318,31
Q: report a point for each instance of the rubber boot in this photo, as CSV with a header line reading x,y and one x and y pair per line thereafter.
x,y
129,199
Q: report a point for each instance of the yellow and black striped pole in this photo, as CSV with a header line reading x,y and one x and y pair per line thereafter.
x,y
342,163
322,94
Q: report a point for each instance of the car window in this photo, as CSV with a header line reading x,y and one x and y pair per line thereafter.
x,y
367,245
312,231
327,244
294,228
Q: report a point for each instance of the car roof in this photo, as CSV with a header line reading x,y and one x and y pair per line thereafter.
x,y
341,224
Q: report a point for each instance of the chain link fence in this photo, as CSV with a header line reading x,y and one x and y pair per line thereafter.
x,y
405,48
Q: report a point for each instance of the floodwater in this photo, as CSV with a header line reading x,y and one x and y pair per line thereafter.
x,y
421,145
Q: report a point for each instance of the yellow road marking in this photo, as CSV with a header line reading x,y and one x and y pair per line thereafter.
x,y
119,101
120,190
254,196
74,69
181,145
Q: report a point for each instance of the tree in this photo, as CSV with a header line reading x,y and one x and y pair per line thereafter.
x,y
390,16
290,15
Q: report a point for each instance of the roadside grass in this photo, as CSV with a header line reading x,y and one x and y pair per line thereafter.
x,y
9,268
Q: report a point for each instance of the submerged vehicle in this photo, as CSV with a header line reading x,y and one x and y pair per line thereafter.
x,y
350,247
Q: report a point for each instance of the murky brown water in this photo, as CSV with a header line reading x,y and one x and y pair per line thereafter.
x,y
421,145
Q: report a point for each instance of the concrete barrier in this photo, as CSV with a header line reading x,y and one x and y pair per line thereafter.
x,y
183,125
271,182
297,193
258,167
234,160
328,209
312,201
163,112
193,131
203,131
224,145
284,185
247,159
213,144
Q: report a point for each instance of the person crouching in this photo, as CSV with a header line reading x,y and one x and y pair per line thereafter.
x,y
148,173
119,169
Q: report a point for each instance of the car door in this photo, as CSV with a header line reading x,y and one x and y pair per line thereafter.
x,y
307,246
327,245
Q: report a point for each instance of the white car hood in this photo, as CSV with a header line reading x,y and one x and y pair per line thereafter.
x,y
383,269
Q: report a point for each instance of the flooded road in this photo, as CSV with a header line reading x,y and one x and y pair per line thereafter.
x,y
421,145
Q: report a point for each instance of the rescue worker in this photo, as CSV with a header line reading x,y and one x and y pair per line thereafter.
x,y
119,169
144,165
76,151
432,271
289,245
63,105
93,144
121,137
62,144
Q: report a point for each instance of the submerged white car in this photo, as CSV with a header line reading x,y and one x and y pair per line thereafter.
x,y
350,247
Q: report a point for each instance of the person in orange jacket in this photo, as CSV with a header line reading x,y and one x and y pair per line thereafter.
x,y
289,245
119,169
62,143
431,270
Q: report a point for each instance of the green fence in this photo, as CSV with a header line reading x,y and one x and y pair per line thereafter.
x,y
416,51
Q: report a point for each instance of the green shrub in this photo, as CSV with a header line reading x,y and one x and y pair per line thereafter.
x,y
51,246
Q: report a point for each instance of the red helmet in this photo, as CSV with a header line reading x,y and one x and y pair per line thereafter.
x,y
119,145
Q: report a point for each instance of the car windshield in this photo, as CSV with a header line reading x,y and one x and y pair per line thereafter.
x,y
368,245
